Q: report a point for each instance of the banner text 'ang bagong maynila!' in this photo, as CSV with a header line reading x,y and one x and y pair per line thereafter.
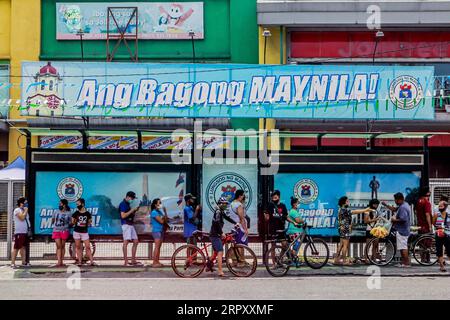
x,y
227,90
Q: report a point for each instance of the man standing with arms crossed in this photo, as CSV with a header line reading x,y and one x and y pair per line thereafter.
x,y
129,233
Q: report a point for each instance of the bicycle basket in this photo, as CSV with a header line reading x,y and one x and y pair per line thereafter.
x,y
382,228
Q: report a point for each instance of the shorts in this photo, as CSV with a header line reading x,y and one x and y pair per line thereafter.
x,y
278,235
344,234
20,240
80,236
442,242
241,237
402,242
129,232
217,244
63,235
191,240
293,236
157,235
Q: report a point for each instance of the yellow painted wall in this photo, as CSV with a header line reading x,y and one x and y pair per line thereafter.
x,y
275,53
25,46
5,29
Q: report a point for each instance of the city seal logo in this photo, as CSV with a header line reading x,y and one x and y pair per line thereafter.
x,y
225,185
306,191
70,189
405,92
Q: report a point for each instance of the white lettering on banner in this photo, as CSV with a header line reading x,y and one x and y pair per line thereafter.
x,y
262,89
282,89
146,93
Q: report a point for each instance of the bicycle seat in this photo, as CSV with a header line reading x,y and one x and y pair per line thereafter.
x,y
199,233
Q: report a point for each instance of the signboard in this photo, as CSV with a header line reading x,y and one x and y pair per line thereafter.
x,y
223,181
319,194
156,20
103,192
227,90
4,91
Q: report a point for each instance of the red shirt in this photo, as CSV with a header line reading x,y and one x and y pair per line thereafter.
x,y
423,207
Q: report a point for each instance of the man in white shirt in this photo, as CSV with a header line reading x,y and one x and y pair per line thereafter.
x,y
21,225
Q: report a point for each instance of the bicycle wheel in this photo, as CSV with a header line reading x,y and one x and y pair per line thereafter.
x,y
241,260
316,253
188,261
380,252
276,261
73,252
424,250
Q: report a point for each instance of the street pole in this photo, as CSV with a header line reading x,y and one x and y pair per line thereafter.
x,y
192,34
80,33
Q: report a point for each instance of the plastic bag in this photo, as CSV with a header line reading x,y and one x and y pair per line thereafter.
x,y
382,228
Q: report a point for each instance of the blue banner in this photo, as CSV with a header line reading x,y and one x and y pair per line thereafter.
x,y
227,90
103,192
319,193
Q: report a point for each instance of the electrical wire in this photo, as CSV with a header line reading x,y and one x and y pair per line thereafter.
x,y
247,67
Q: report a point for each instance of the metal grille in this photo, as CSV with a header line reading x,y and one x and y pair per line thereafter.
x,y
439,187
3,211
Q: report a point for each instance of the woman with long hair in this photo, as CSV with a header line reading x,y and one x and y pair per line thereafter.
x,y
61,219
158,219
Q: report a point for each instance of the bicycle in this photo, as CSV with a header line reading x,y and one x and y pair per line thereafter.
x,y
72,250
423,249
189,261
280,258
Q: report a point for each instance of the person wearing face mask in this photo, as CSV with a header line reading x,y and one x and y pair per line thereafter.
x,y
128,210
82,219
61,220
238,214
345,229
21,226
276,217
216,233
441,221
370,219
159,219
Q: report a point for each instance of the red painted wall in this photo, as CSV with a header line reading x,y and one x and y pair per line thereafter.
x,y
394,44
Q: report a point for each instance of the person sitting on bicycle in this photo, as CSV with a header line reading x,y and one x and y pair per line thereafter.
x,y
216,233
295,222
442,224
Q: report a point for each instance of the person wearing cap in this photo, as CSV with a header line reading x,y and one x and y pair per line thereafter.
x,y
128,209
190,219
216,233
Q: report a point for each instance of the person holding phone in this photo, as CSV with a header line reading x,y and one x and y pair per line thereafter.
x,y
61,220
21,226
128,209
82,219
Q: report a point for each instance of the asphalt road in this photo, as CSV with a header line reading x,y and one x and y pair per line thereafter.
x,y
335,287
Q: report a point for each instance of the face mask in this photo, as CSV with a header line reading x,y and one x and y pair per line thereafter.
x,y
276,201
61,208
441,210
346,206
79,207
158,206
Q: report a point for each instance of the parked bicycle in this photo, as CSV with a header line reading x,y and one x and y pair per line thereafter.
x,y
189,261
381,251
72,250
280,258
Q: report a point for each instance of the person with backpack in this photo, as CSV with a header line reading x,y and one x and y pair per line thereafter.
x,y
216,234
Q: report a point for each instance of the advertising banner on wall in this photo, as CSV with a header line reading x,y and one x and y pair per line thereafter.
x,y
103,192
4,91
227,90
319,193
156,20
223,181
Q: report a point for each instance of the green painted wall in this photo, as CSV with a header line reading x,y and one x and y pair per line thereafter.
x,y
231,35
